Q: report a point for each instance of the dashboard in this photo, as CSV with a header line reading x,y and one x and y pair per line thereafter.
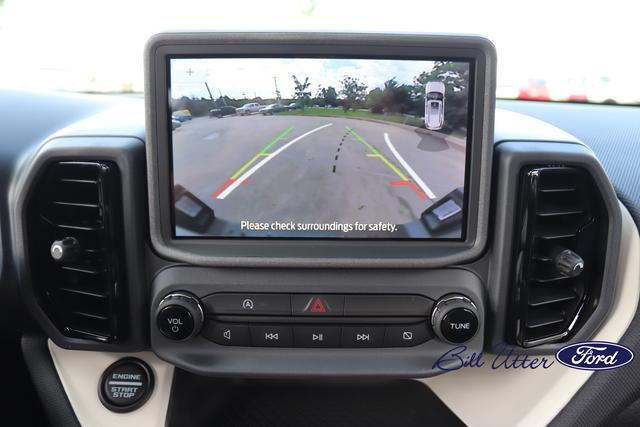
x,y
299,241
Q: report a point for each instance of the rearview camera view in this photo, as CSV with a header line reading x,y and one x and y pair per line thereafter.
x,y
318,147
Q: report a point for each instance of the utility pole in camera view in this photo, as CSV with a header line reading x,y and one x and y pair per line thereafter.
x,y
208,90
278,96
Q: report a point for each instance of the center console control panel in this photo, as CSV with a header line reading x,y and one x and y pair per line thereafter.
x,y
219,321
316,320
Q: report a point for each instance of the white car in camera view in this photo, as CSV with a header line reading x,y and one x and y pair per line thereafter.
x,y
434,106
250,108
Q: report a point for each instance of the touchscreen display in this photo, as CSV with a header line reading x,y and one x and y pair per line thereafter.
x,y
319,147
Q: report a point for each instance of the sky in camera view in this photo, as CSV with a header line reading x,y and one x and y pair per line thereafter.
x,y
232,77
547,49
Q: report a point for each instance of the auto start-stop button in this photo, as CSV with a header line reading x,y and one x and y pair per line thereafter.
x,y
126,385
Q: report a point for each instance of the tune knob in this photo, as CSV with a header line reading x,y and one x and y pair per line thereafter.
x,y
179,316
569,263
455,319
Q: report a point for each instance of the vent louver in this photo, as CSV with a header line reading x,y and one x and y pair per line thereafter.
x,y
78,202
559,258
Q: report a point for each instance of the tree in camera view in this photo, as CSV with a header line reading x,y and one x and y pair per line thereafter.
x,y
354,92
302,92
394,101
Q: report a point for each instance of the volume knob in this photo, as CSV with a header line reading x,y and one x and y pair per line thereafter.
x,y
179,316
455,319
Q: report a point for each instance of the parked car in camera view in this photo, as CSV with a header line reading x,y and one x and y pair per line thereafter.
x,y
182,115
272,108
220,112
250,108
434,106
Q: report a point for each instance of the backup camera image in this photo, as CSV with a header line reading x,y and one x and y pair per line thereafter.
x,y
318,147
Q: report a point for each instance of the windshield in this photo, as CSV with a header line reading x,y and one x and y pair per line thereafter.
x,y
547,50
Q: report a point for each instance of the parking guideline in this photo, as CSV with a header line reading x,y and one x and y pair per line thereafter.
x,y
262,152
281,136
404,179
232,183
376,153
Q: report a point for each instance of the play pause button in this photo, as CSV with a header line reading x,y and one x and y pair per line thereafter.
x,y
316,336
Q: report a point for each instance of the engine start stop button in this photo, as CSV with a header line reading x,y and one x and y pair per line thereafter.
x,y
126,385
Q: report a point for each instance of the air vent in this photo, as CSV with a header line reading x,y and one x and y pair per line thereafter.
x,y
560,240
78,280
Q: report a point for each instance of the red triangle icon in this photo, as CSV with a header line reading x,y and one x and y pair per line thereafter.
x,y
317,306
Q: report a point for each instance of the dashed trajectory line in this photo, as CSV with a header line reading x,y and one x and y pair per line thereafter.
x,y
424,187
267,157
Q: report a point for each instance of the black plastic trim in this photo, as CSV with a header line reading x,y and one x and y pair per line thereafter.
x,y
511,158
582,294
200,401
128,154
196,354
107,300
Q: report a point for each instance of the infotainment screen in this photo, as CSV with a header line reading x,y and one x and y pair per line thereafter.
x,y
319,147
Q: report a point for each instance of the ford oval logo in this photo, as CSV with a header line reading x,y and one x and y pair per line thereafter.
x,y
594,355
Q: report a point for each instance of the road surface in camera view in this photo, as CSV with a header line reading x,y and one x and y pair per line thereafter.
x,y
313,169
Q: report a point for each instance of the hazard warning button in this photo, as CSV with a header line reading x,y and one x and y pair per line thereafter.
x,y
317,305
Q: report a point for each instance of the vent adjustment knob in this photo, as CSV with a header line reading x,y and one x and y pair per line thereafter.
x,y
179,316
455,319
569,263
65,250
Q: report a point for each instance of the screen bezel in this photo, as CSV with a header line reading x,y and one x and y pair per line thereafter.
x,y
309,251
